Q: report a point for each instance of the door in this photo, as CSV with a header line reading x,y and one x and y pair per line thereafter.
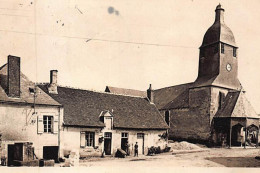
x,y
18,151
51,153
140,140
10,155
124,142
107,143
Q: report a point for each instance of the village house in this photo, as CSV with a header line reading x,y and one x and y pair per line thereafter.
x,y
213,109
29,118
99,123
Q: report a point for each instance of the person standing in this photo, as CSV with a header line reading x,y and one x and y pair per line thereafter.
x,y
127,148
136,149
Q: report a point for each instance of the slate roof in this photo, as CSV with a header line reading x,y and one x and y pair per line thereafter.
x,y
123,91
25,95
236,105
216,81
83,107
219,32
173,97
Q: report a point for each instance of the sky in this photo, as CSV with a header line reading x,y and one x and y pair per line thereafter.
x,y
125,43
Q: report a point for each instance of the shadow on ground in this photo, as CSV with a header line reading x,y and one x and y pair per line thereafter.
x,y
236,161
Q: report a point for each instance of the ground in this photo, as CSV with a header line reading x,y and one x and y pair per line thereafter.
x,y
214,157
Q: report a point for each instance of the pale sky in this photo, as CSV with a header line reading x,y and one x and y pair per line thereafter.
x,y
125,43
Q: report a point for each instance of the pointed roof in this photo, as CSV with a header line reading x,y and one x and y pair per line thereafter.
x,y
237,105
219,32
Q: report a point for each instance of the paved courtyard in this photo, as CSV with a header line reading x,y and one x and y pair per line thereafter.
x,y
214,157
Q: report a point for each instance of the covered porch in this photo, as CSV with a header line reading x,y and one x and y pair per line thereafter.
x,y
236,132
236,123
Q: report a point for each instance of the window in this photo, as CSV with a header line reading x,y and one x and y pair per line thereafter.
x,y
140,135
124,135
234,52
108,135
31,90
48,124
90,139
108,122
220,99
222,48
167,117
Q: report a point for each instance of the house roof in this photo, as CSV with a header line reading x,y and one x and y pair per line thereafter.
x,y
172,97
25,95
83,108
123,91
237,105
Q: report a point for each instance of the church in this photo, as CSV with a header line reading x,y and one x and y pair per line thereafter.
x,y
213,109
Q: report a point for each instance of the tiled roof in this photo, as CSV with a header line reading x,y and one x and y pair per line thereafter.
x,y
237,105
83,107
216,81
25,95
172,97
123,91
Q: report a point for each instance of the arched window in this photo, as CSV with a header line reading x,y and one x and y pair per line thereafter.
x,y
167,117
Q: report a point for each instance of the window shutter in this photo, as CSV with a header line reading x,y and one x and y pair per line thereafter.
x,y
82,139
56,124
40,124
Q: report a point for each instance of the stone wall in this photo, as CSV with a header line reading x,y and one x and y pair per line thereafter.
x,y
192,123
19,124
71,136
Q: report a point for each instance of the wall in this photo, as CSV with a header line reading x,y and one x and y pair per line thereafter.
x,y
214,102
71,136
192,123
18,124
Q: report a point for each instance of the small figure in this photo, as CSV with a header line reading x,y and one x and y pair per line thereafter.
x,y
127,148
136,149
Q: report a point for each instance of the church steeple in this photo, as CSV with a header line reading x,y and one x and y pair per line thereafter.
x,y
218,55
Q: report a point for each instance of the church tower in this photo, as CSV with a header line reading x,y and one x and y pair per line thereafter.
x,y
218,65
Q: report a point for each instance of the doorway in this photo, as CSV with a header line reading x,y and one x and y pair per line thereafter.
x,y
140,140
124,142
107,143
10,155
236,136
51,153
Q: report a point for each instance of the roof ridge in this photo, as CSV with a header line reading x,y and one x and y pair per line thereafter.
x,y
235,103
174,86
125,88
91,90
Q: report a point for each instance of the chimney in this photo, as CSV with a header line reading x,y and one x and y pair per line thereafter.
x,y
52,88
13,76
150,94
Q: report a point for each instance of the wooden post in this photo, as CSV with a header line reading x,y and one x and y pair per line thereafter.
x,y
245,138
230,134
257,132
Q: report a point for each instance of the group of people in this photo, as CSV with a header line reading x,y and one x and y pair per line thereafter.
x,y
135,149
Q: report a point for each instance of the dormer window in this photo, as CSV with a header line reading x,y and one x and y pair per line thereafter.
x,y
107,118
222,48
234,52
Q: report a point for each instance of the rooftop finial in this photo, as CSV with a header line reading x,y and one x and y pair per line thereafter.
x,y
219,14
